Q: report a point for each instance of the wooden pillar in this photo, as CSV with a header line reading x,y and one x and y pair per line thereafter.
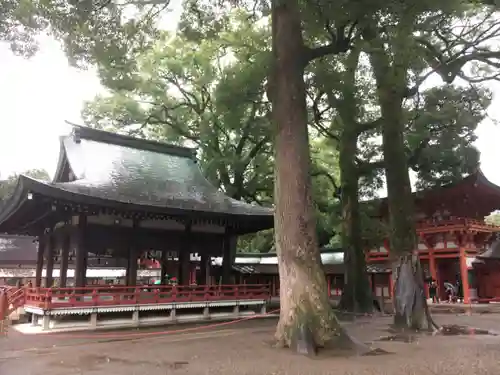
x,y
464,273
49,254
184,257
391,286
131,276
204,276
432,265
132,267
39,261
81,254
184,270
228,259
164,267
66,242
432,271
180,268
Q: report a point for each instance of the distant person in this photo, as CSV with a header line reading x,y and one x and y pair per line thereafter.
x,y
433,292
451,291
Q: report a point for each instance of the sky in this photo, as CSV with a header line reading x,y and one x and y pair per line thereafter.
x,y
36,97
39,94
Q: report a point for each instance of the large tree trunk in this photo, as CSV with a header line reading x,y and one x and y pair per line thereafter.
x,y
410,304
356,294
304,301
409,297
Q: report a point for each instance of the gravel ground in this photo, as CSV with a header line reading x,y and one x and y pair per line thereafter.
x,y
245,348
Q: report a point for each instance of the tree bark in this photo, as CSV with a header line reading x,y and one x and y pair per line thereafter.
x,y
409,297
409,300
356,294
303,292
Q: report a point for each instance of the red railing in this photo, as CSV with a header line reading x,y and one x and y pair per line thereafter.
x,y
49,298
10,299
16,298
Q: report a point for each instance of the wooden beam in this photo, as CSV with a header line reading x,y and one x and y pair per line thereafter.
x,y
39,260
49,254
65,245
81,251
228,258
184,255
133,251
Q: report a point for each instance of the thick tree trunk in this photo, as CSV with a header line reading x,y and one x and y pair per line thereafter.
x,y
409,299
305,312
410,304
391,75
356,294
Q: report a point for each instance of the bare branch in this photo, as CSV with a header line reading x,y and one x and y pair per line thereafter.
x,y
341,40
318,117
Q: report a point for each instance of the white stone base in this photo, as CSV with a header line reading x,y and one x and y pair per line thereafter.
x,y
128,323
46,320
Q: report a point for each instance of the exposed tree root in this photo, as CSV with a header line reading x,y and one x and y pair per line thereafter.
x,y
457,330
351,346
342,344
304,340
431,323
410,304
445,330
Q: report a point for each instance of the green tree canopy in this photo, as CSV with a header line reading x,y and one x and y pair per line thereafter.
x,y
7,186
211,93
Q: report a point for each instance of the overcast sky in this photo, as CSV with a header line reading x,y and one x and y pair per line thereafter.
x,y
38,95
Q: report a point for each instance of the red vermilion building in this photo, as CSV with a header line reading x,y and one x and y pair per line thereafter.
x,y
452,233
487,271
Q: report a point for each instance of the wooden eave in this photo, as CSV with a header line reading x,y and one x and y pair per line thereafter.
x,y
56,201
473,197
454,225
126,188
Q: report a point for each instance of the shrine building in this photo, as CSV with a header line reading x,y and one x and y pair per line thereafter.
x,y
118,196
453,235
115,196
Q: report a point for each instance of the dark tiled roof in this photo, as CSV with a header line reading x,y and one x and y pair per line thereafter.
x,y
493,252
131,174
17,250
131,170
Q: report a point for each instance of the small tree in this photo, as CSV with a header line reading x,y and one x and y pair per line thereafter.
x,y
7,186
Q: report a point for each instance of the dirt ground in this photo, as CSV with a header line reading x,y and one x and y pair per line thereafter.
x,y
245,348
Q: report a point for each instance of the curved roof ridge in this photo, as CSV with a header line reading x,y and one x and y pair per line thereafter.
x,y
481,177
97,135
